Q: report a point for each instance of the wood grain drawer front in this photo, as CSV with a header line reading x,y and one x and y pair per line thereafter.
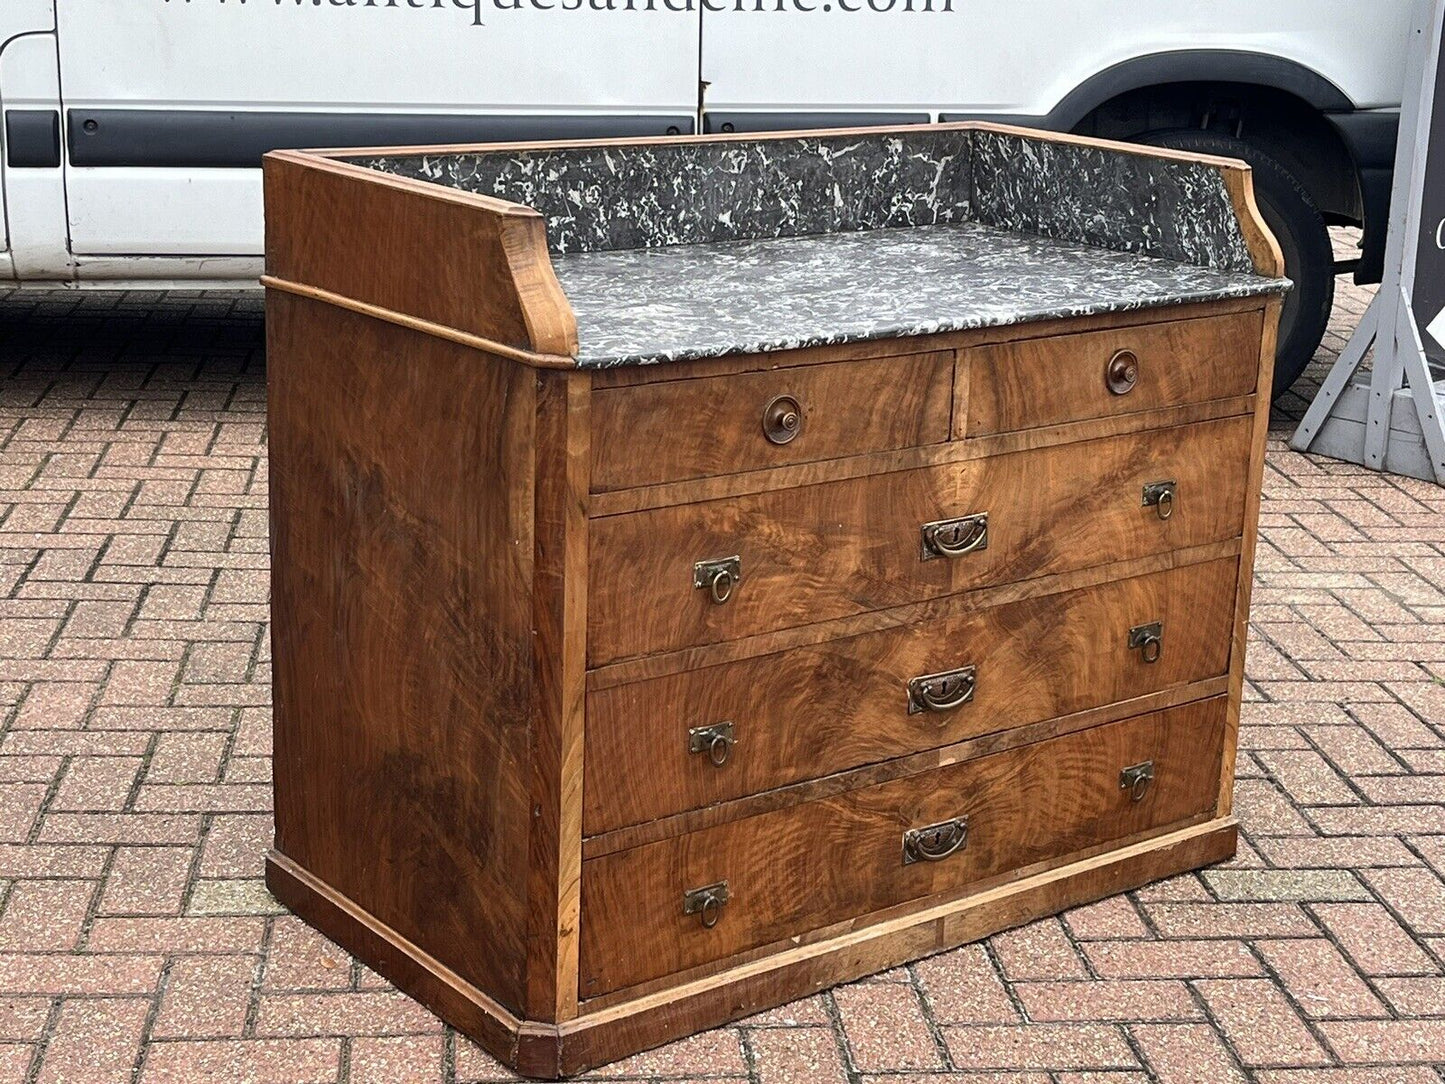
x,y
847,547
1037,382
682,429
794,870
813,711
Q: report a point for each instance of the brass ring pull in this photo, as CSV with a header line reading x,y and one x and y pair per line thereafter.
x,y
1149,640
717,750
935,842
1122,372
942,692
715,741
1136,779
782,419
706,903
720,586
955,537
711,912
718,578
1160,497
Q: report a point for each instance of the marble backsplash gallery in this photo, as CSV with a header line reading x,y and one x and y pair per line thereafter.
x,y
643,196
646,196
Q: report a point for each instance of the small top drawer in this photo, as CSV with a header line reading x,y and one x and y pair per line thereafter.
x,y
1066,378
681,429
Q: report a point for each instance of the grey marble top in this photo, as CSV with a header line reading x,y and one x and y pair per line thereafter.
x,y
647,305
701,247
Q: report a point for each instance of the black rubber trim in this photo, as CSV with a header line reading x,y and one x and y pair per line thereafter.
x,y
1371,137
1184,66
32,138
1017,120
1375,188
788,122
195,138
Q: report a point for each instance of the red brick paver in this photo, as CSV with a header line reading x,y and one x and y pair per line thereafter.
x,y
138,944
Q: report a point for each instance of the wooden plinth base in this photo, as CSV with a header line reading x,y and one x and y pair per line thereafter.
x,y
548,1051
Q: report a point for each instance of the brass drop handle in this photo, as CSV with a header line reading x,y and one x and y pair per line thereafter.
x,y
706,902
942,692
1122,372
955,537
1136,779
1148,640
718,578
782,419
715,741
935,842
1160,497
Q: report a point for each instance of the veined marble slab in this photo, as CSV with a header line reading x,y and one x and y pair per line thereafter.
x,y
1167,207
653,194
693,249
649,305
646,195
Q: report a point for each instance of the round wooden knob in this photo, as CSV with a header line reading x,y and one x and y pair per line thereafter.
x,y
782,419
1122,372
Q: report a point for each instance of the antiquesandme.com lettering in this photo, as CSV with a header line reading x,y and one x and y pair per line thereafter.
x,y
476,10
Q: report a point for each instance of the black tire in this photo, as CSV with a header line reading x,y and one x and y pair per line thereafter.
x,y
1297,224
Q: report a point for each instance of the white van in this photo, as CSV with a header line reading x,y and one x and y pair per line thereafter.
x,y
134,128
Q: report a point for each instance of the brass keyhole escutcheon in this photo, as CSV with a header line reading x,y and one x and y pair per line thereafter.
x,y
942,692
1136,779
782,419
935,842
955,537
1122,372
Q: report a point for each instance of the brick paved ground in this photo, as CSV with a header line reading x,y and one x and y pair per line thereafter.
x,y
137,940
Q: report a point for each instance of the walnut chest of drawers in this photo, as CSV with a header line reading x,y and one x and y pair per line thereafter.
x,y
686,602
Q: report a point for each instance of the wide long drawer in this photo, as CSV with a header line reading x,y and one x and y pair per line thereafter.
x,y
664,579
686,901
688,740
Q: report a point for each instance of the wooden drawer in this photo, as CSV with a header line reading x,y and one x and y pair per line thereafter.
x,y
812,711
795,870
680,429
1036,382
846,547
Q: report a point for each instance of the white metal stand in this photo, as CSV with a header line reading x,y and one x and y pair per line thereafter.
x,y
1396,421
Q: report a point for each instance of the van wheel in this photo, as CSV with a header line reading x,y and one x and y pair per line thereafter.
x,y
1297,224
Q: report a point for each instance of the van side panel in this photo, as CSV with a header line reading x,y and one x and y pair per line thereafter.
x,y
171,105
34,183
965,57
